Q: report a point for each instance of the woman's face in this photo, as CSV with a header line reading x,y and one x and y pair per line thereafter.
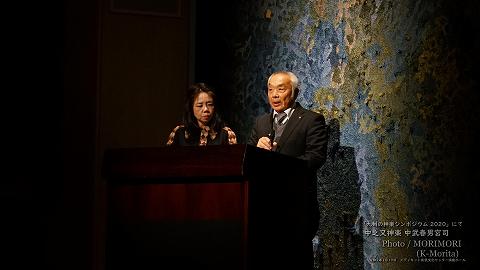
x,y
203,108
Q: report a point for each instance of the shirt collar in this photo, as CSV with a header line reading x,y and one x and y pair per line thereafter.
x,y
288,111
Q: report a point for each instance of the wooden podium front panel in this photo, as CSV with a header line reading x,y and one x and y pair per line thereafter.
x,y
177,226
192,208
161,202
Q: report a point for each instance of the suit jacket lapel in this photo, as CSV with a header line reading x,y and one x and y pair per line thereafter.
x,y
293,121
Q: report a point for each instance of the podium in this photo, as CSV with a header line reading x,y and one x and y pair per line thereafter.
x,y
214,207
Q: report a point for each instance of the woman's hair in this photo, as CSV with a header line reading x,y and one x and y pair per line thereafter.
x,y
189,120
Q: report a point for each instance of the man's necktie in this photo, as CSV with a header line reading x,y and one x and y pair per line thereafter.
x,y
279,125
280,117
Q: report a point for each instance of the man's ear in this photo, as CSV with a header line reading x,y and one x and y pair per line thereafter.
x,y
295,93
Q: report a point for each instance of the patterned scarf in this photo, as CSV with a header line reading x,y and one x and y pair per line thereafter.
x,y
206,131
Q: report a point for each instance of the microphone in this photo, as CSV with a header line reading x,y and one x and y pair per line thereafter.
x,y
271,136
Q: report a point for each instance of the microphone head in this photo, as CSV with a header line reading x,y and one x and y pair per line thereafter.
x,y
271,136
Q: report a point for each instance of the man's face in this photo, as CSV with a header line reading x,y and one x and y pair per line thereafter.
x,y
280,92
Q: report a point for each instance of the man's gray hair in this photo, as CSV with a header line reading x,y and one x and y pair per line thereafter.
x,y
293,80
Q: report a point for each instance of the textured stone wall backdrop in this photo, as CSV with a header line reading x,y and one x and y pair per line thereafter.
x,y
395,81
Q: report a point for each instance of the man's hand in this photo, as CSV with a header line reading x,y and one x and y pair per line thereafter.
x,y
265,143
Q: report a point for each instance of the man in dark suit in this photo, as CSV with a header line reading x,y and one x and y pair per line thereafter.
x,y
294,131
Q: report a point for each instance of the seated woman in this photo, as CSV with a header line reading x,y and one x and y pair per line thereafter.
x,y
201,123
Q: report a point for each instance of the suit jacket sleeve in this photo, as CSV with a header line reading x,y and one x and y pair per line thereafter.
x,y
253,139
316,143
